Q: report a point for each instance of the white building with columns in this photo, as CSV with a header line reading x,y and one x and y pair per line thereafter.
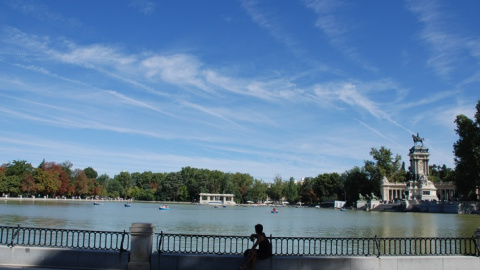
x,y
213,198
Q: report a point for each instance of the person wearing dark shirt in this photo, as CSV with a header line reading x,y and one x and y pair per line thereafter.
x,y
264,249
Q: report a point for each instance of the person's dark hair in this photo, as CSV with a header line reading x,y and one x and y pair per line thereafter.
x,y
259,228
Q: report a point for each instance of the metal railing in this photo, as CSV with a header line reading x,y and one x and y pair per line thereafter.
x,y
64,238
236,245
308,246
202,244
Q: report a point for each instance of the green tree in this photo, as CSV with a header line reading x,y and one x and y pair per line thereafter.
x,y
182,193
384,165
125,180
327,186
290,191
114,188
258,191
90,173
103,179
356,182
275,191
145,180
46,181
67,167
19,168
215,181
242,183
3,179
81,183
10,184
171,186
441,173
467,155
146,195
307,192
158,180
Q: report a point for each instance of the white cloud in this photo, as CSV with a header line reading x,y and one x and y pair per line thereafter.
x,y
143,6
93,55
179,69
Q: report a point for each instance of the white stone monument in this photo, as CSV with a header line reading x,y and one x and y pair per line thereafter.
x,y
419,187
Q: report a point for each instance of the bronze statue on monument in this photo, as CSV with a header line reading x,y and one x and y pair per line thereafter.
x,y
417,139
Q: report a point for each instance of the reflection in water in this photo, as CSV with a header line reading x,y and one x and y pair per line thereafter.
x,y
194,219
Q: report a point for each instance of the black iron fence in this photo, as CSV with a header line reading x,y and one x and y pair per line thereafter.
x,y
308,246
236,245
202,244
64,238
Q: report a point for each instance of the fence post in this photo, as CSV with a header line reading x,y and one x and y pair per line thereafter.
x,y
477,237
141,246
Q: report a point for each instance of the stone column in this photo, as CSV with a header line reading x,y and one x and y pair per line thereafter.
x,y
141,246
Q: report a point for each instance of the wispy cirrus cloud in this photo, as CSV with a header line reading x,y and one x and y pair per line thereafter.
x,y
445,43
42,12
273,27
183,70
89,91
143,6
337,30
186,70
348,93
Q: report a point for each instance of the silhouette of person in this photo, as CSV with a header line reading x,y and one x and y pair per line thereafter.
x,y
263,252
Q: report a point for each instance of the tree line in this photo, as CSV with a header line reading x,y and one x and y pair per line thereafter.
x,y
52,179
57,180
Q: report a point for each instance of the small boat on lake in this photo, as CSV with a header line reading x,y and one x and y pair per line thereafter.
x,y
96,203
128,205
164,207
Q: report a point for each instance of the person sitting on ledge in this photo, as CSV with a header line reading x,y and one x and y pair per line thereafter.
x,y
263,252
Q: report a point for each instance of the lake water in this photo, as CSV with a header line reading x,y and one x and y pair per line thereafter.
x,y
234,220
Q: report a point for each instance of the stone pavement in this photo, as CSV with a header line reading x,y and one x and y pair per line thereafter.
x,y
28,268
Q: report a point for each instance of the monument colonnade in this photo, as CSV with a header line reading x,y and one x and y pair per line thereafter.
x,y
393,191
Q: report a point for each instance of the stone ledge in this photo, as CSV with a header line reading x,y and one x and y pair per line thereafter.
x,y
92,259
226,262
62,258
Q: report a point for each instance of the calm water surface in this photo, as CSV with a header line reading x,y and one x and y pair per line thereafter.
x,y
234,220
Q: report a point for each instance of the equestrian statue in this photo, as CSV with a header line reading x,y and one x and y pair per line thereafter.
x,y
417,139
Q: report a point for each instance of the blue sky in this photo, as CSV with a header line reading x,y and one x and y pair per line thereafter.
x,y
289,88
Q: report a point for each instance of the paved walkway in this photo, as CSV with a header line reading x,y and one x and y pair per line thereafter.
x,y
28,268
